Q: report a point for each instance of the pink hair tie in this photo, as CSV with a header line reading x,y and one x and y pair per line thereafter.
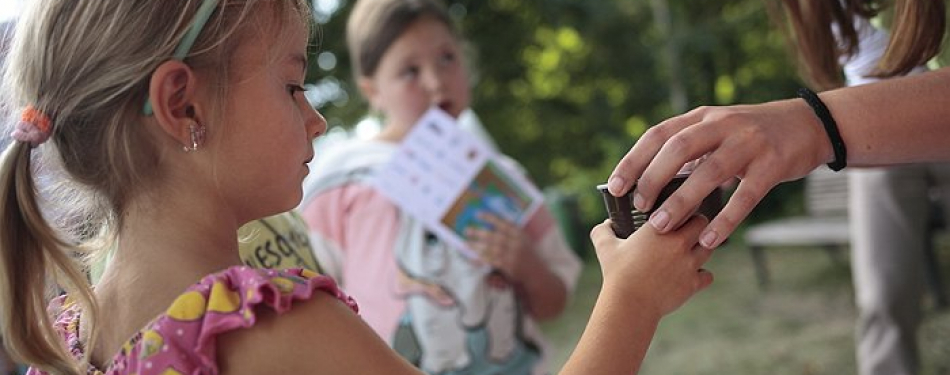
x,y
34,127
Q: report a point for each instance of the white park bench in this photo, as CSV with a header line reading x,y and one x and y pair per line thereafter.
x,y
825,226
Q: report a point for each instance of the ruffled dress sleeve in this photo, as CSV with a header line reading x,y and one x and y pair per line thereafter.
x,y
183,340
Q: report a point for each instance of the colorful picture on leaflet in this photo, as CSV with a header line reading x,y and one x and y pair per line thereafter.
x,y
490,191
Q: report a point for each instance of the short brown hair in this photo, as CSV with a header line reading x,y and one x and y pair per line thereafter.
x,y
374,25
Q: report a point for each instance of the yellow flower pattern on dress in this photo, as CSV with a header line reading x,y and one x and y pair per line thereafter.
x,y
187,307
223,299
283,284
181,341
152,342
308,274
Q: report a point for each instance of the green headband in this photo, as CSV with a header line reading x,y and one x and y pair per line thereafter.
x,y
201,18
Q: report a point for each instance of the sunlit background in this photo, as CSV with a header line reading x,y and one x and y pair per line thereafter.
x,y
566,87
9,9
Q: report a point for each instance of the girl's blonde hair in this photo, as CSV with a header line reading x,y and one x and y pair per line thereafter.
x,y
87,64
917,34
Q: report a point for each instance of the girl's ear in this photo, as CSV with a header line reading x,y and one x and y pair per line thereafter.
x,y
172,96
368,89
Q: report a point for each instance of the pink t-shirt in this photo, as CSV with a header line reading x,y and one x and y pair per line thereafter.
x,y
370,268
183,339
444,312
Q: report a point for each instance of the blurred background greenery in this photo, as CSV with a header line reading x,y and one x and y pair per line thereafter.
x,y
566,87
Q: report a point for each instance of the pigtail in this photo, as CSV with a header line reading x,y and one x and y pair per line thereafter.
x,y
81,69
29,253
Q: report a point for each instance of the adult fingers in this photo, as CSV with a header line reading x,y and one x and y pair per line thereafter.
x,y
684,147
747,195
635,162
715,169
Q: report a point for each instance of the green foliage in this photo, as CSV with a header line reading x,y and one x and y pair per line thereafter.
x,y
567,86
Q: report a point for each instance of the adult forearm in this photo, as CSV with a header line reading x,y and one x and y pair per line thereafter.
x,y
895,121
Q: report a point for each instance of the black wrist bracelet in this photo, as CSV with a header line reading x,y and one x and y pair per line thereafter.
x,y
831,127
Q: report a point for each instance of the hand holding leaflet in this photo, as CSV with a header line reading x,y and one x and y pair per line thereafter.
x,y
446,178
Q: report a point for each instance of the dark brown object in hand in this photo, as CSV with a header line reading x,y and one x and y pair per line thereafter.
x,y
625,219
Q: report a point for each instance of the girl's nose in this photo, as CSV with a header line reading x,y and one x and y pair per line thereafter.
x,y
314,121
433,80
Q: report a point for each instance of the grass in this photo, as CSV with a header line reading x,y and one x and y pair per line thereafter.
x,y
803,323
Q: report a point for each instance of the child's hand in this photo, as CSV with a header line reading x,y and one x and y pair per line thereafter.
x,y
656,272
504,247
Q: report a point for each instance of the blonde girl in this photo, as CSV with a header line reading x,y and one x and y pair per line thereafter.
x,y
163,126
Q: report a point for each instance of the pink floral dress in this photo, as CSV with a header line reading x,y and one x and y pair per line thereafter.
x,y
183,339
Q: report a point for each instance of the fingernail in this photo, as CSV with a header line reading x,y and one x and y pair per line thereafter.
x,y
659,220
639,203
708,239
615,184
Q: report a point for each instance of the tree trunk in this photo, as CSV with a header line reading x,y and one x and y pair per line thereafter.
x,y
670,54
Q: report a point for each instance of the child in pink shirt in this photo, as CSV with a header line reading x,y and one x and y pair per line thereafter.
x,y
442,310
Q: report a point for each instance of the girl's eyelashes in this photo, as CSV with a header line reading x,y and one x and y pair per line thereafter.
x,y
295,88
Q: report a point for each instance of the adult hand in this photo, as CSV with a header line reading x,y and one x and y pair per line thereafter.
x,y
762,144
